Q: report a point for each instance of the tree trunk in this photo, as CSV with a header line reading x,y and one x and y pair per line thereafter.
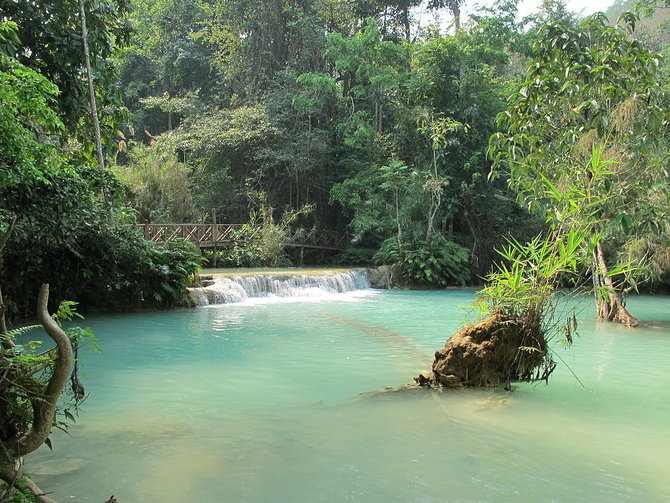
x,y
609,306
435,202
405,23
455,8
435,199
397,217
3,320
94,109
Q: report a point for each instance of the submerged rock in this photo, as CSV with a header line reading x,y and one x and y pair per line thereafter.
x,y
402,388
492,352
58,467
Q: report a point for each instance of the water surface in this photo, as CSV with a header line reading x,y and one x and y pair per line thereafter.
x,y
260,402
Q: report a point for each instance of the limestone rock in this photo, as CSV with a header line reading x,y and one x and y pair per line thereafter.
x,y
379,277
491,352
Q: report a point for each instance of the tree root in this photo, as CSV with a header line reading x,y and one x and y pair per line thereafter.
x,y
612,308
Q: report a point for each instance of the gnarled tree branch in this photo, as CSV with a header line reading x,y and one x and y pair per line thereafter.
x,y
43,403
44,406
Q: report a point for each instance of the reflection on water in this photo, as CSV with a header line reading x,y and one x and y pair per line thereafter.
x,y
261,403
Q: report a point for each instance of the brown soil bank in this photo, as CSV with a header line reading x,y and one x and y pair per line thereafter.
x,y
491,352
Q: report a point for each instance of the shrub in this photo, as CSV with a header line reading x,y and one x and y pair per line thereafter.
x,y
262,241
107,267
435,263
63,236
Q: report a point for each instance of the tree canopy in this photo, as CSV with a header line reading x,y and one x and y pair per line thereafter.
x,y
590,121
353,109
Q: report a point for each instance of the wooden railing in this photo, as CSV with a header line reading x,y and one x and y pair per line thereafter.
x,y
222,235
203,235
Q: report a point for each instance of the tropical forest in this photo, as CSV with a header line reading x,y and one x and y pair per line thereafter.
x,y
377,251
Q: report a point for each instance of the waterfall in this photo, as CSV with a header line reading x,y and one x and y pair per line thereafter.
x,y
235,289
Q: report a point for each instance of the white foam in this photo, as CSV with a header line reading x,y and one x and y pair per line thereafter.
x,y
276,288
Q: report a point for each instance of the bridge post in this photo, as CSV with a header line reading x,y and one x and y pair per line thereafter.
x,y
146,230
215,234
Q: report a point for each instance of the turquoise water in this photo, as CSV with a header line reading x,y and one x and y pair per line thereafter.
x,y
260,402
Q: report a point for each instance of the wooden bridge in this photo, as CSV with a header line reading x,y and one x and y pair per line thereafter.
x,y
224,235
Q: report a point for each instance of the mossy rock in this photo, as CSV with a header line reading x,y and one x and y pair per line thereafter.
x,y
492,352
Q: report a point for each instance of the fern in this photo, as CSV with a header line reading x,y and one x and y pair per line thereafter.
x,y
10,334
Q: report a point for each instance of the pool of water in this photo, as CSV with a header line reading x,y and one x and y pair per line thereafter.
x,y
265,402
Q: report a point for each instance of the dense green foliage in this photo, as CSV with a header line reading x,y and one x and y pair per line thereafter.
x,y
435,263
49,41
355,256
590,123
348,108
157,186
27,99
308,101
53,225
72,245
262,242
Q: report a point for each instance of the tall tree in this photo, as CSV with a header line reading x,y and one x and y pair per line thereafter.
x,y
555,11
591,97
454,7
27,119
50,38
94,106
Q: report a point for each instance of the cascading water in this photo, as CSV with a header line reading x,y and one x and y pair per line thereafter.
x,y
236,289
